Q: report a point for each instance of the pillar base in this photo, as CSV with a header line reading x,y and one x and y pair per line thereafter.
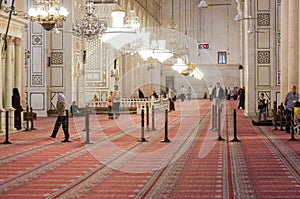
x,y
1,120
11,119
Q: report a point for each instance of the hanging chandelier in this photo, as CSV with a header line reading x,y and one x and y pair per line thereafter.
x,y
180,66
48,13
89,26
203,4
119,30
132,21
157,50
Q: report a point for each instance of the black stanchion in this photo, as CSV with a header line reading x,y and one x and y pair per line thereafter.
x,y
6,129
267,108
32,118
166,139
292,127
219,110
27,119
275,115
213,117
147,117
153,128
281,117
67,120
86,111
142,139
87,127
235,139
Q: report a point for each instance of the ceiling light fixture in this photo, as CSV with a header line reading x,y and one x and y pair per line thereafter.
x,y
116,34
48,13
203,4
89,26
179,66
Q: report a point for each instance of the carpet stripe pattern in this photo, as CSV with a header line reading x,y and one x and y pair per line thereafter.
x,y
116,165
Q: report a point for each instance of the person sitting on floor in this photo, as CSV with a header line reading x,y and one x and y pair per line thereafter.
x,y
278,117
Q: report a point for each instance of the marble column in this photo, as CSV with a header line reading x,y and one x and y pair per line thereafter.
x,y
293,42
298,86
18,64
9,81
1,87
284,50
249,62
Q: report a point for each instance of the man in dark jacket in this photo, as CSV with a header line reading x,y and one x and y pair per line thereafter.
x,y
218,93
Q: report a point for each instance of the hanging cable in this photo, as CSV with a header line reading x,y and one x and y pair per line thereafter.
x,y
227,13
12,8
185,26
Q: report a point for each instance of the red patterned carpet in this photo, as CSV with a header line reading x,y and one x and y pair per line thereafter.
x,y
116,165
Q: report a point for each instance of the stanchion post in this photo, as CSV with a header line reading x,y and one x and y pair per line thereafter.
x,y
292,127
274,112
267,108
87,127
153,128
213,117
31,113
27,119
142,139
281,117
6,129
67,120
235,139
147,117
219,110
166,139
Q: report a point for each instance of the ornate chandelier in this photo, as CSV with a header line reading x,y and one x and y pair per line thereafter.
x,y
48,13
132,21
89,26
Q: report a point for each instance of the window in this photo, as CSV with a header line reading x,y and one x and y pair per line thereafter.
x,y
222,58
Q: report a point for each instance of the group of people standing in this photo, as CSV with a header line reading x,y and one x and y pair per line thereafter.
x,y
289,102
228,93
185,93
113,103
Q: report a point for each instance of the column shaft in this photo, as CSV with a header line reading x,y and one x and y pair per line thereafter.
x,y
18,65
8,75
293,43
9,82
284,50
1,87
1,73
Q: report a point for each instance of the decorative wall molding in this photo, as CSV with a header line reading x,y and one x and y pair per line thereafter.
x,y
57,58
37,80
263,57
38,99
37,39
263,19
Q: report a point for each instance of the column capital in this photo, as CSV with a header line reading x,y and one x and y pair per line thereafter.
x,y
18,42
10,40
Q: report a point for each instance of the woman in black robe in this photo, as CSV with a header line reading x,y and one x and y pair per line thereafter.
x,y
16,103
